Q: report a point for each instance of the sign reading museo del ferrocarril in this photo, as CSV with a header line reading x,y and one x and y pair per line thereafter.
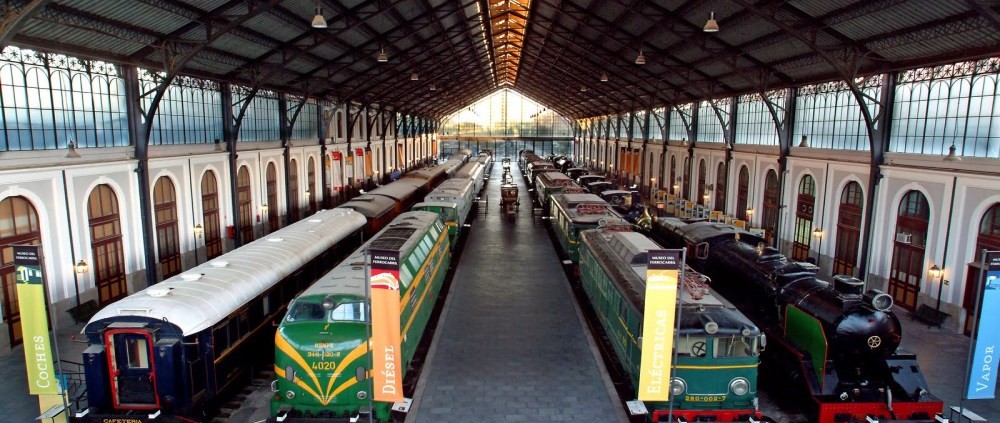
x,y
34,320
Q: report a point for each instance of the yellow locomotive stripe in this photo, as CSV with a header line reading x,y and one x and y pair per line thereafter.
x,y
292,353
298,381
741,366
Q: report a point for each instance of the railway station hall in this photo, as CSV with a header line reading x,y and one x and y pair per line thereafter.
x,y
188,186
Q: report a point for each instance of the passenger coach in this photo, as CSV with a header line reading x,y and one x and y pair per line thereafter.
x,y
180,345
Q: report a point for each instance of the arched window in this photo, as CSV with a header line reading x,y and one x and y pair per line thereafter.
x,y
720,187
210,214
311,192
673,175
167,242
852,203
743,193
18,226
988,239
272,198
703,194
293,190
106,244
908,268
804,206
245,199
770,213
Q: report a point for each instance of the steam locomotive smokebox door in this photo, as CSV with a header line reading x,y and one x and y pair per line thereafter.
x,y
168,377
95,363
133,383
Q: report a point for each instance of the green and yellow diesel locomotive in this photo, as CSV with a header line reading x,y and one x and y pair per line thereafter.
x,y
321,354
717,348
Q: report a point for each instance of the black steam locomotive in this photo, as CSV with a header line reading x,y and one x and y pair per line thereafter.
x,y
836,341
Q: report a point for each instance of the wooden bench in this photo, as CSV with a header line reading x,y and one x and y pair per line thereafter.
x,y
84,311
929,315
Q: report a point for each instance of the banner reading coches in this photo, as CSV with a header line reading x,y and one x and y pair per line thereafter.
x,y
387,372
662,275
983,369
34,320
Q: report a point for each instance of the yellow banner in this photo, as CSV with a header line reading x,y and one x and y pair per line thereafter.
x,y
658,325
34,321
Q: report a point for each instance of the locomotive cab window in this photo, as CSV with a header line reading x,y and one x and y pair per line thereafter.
x,y
349,312
691,346
735,346
303,311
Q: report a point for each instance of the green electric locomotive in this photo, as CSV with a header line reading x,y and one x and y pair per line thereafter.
x,y
717,348
321,354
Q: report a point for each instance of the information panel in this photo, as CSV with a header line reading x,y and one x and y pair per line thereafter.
x,y
983,371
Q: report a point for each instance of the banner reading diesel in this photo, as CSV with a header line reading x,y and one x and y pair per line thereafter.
x,y
662,275
387,373
34,320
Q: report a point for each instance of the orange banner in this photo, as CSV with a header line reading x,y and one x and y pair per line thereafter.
x,y
387,353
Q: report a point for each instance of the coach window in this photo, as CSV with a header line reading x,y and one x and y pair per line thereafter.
x,y
138,353
770,215
742,193
210,214
848,229
106,244
18,226
168,246
244,198
908,270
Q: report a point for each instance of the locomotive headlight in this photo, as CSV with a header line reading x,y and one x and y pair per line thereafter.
x,y
362,395
677,386
289,394
739,386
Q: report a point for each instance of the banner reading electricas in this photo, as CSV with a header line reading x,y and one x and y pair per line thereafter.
x,y
387,373
34,320
662,275
983,370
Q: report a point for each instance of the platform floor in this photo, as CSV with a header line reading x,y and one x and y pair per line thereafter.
x,y
511,344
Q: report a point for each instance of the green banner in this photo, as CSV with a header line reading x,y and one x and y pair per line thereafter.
x,y
34,320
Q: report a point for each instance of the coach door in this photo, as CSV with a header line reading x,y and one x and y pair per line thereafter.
x,y
133,379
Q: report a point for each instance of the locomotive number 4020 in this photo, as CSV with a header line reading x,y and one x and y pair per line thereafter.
x,y
323,365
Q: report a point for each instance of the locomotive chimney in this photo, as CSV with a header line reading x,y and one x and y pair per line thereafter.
x,y
847,285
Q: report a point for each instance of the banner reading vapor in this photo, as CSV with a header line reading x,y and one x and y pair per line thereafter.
x,y
387,373
983,369
662,275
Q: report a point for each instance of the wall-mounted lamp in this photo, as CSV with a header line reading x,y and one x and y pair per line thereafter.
x,y
308,193
935,272
818,233
81,267
198,230
263,208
